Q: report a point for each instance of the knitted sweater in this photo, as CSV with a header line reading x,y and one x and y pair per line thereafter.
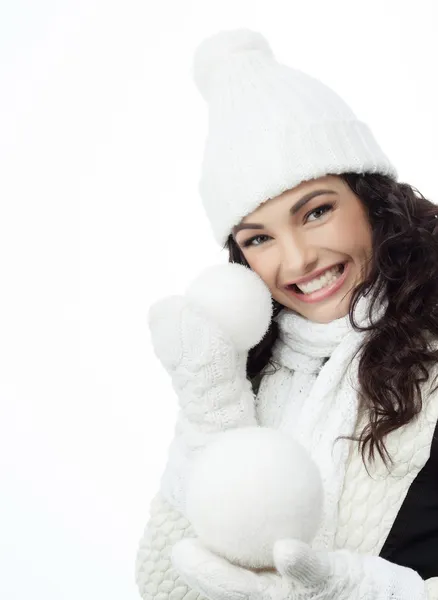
x,y
368,507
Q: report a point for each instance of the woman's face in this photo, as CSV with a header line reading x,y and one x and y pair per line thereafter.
x,y
316,236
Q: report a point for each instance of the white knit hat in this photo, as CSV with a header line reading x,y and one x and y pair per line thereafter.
x,y
271,127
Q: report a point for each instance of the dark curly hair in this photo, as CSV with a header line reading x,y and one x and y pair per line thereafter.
x,y
398,350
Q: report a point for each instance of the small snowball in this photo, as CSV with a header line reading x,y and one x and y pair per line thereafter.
x,y
237,299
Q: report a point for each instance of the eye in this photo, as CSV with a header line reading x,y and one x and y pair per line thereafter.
x,y
322,210
250,241
319,212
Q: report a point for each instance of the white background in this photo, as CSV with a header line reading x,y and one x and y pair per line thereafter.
x,y
101,139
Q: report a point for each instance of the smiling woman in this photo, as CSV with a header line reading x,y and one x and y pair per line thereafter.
x,y
299,192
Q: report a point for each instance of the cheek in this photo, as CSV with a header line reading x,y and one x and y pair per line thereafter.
x,y
263,266
355,236
361,240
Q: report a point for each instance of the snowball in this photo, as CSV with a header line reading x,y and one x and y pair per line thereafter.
x,y
249,488
237,299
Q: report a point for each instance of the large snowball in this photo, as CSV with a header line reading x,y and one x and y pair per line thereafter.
x,y
237,299
249,488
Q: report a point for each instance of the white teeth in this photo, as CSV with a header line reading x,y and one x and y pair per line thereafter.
x,y
319,282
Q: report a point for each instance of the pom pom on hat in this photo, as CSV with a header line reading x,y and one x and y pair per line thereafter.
x,y
215,52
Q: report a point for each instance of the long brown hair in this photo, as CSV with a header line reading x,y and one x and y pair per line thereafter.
x,y
397,354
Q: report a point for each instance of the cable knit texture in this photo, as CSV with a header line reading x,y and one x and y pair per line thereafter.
x,y
208,373
155,576
367,508
307,397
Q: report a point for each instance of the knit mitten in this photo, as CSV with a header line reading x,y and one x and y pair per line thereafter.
x,y
300,574
203,339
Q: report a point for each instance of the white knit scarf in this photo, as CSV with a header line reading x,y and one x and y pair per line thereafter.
x,y
319,399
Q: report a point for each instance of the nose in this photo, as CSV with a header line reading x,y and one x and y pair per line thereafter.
x,y
297,257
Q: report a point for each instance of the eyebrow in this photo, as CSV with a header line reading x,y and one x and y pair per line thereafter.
x,y
293,210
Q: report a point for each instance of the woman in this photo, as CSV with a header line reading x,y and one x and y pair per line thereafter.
x,y
299,191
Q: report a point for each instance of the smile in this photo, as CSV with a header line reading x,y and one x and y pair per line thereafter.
x,y
321,287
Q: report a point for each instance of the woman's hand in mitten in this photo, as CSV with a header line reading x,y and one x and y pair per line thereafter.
x,y
301,574
203,339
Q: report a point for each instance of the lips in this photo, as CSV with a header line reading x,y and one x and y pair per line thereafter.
x,y
316,275
321,294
